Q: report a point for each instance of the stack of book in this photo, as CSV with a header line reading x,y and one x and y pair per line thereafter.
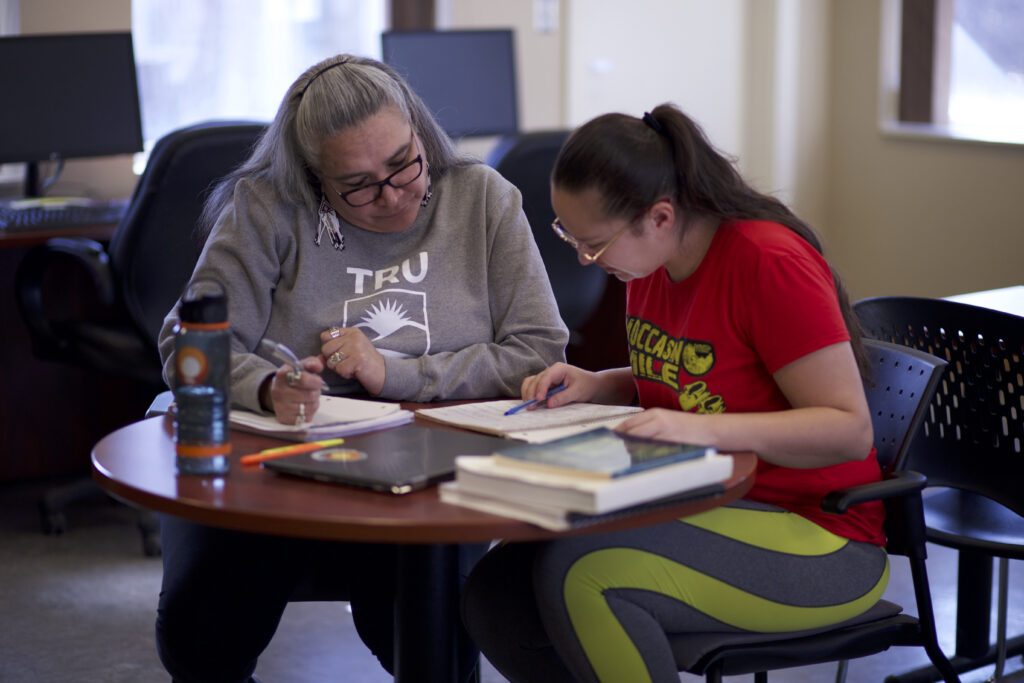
x,y
585,478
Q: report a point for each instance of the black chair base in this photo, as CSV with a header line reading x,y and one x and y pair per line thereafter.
x,y
54,501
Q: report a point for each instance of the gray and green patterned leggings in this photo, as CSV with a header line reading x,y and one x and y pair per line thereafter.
x,y
597,608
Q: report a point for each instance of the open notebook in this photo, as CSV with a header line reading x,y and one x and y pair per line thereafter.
x,y
535,426
336,416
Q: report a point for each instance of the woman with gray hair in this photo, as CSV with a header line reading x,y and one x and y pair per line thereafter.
x,y
394,267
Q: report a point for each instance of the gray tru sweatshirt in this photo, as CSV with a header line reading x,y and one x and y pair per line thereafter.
x,y
459,303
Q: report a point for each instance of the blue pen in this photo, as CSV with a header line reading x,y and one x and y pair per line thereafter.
x,y
526,404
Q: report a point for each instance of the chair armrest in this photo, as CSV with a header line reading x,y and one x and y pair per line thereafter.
x,y
900,484
31,274
88,253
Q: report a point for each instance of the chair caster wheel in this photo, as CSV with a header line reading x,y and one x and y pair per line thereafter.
x,y
53,523
151,546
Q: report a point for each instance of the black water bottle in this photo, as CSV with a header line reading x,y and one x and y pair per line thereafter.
x,y
202,364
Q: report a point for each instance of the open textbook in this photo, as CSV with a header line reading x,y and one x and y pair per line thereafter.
x,y
534,426
336,416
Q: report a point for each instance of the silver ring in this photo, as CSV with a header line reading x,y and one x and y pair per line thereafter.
x,y
335,358
293,377
334,331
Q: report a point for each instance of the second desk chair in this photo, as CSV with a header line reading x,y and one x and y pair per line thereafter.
x,y
136,279
526,160
971,448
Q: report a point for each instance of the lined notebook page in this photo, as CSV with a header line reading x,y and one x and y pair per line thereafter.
x,y
541,424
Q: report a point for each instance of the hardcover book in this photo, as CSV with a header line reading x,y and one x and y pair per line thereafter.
x,y
599,453
490,477
557,518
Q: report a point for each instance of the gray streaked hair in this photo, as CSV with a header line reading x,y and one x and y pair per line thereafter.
x,y
329,97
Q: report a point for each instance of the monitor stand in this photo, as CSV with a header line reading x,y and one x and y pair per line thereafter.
x,y
32,188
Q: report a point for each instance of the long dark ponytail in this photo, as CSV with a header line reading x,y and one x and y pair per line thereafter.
x,y
634,162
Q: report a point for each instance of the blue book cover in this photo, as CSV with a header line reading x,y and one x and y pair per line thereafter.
x,y
600,453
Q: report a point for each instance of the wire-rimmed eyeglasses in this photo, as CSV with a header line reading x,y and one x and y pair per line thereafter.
x,y
559,229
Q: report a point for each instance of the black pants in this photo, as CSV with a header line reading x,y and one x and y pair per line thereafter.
x,y
224,592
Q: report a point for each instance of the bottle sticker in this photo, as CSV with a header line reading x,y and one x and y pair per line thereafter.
x,y
192,365
338,455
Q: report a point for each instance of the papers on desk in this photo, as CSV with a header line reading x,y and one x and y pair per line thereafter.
x,y
534,426
337,416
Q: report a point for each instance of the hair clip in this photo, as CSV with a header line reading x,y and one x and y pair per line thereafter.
x,y
654,124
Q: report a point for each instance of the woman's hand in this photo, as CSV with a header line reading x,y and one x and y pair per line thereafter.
x,y
614,387
348,352
662,424
829,421
580,385
294,398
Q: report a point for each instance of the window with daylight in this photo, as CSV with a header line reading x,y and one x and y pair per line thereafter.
x,y
962,67
234,59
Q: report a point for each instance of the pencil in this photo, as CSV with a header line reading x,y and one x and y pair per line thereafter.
x,y
284,451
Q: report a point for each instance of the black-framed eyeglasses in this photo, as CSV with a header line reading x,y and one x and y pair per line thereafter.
x,y
560,230
368,194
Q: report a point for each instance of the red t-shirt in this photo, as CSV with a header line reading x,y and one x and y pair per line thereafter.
x,y
761,298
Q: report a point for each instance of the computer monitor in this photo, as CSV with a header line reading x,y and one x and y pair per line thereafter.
x,y
67,96
466,78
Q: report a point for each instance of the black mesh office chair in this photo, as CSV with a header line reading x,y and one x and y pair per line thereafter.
x,y
971,445
136,279
526,161
902,385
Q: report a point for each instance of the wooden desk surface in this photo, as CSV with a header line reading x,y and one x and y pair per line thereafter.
x,y
136,463
29,238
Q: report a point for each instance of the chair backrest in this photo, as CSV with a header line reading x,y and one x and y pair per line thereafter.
x,y
526,161
154,249
972,437
902,383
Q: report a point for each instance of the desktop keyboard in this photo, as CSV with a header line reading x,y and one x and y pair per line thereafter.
x,y
14,217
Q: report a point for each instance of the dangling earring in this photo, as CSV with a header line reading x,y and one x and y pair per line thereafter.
x,y
430,193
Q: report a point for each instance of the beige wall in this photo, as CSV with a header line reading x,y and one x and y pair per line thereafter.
x,y
632,56
913,216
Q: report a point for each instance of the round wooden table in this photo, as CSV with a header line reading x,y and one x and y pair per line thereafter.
x,y
136,463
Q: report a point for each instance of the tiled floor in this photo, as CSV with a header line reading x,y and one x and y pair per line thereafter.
x,y
80,607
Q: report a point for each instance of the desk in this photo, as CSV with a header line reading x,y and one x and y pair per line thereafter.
x,y
1005,299
35,444
136,463
30,238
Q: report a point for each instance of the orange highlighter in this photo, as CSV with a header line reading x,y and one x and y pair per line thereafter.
x,y
282,451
